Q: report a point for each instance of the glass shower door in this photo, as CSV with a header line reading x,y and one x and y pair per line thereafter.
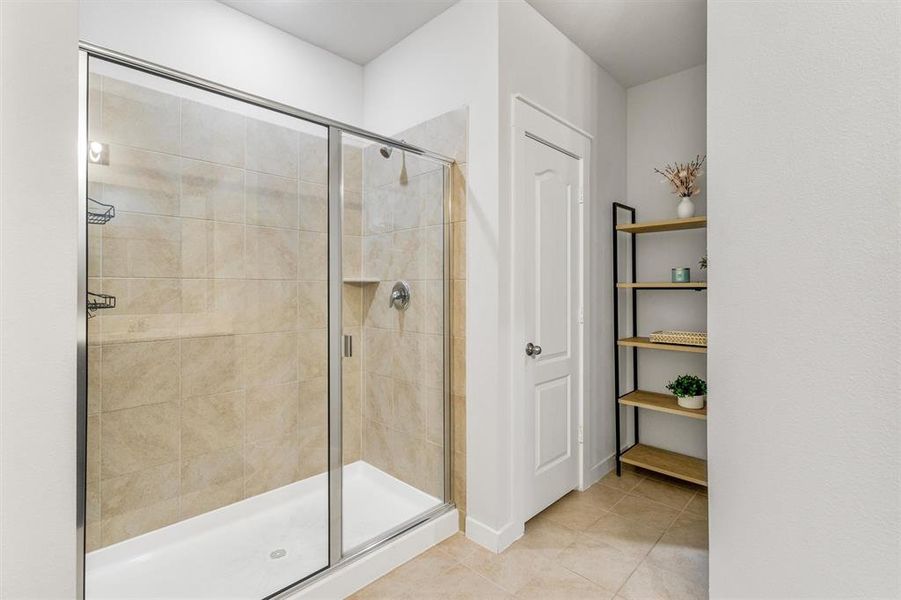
x,y
394,287
207,428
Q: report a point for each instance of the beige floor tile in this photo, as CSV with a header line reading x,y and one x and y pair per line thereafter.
x,y
547,537
458,546
640,549
683,549
626,482
558,583
693,524
646,511
388,587
697,505
648,583
624,534
461,583
664,493
512,569
579,510
603,564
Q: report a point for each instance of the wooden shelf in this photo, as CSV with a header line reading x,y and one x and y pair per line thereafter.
x,y
680,466
663,285
643,342
662,403
669,225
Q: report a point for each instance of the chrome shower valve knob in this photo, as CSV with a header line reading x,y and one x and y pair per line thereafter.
x,y
400,295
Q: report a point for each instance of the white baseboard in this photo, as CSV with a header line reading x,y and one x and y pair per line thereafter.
x,y
594,474
493,539
358,574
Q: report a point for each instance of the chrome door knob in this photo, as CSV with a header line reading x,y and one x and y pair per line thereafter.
x,y
533,349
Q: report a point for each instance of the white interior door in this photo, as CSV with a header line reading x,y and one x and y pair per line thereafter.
x,y
548,255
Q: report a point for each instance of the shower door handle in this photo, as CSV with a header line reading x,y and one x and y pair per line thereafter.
x,y
348,346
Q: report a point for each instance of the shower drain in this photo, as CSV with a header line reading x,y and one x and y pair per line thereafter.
x,y
278,553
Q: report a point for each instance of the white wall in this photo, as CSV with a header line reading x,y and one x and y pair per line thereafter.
x,y
448,63
804,135
216,42
38,266
667,122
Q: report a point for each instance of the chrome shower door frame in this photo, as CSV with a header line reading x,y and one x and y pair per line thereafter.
x,y
336,130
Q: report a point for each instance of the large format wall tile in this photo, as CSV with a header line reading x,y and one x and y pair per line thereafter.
x,y
313,207
212,134
270,464
211,423
211,365
135,439
312,304
272,149
212,480
271,201
270,306
272,253
211,191
136,374
139,181
272,411
313,158
312,263
270,358
140,245
138,296
140,117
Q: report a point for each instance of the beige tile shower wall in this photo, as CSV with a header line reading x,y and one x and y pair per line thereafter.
x,y
207,382
403,236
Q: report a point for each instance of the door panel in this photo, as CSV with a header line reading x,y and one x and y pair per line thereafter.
x,y
552,423
552,290
548,248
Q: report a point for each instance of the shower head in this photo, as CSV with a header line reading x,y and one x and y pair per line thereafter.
x,y
386,151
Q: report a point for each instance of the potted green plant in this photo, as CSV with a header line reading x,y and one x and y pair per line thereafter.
x,y
690,391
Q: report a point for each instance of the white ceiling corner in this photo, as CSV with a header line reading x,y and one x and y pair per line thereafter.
x,y
636,41
358,30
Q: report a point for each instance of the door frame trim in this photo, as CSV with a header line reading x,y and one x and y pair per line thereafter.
x,y
531,121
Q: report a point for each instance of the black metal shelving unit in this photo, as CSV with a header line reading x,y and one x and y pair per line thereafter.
x,y
617,347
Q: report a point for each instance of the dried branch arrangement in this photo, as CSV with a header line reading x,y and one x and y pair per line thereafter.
x,y
683,177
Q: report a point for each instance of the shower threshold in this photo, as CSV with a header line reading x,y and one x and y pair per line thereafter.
x,y
255,547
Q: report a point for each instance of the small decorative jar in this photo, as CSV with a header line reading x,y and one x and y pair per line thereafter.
x,y
681,274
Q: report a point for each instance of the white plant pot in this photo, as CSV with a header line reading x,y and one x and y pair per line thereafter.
x,y
695,402
686,208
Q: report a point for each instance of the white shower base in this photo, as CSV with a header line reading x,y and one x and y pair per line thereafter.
x,y
225,553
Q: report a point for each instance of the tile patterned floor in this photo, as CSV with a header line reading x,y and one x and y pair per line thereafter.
x,y
639,537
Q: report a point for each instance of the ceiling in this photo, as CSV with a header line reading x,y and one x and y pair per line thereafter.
x,y
358,30
635,41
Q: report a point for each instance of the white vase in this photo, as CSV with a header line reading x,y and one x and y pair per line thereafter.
x,y
694,402
686,208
